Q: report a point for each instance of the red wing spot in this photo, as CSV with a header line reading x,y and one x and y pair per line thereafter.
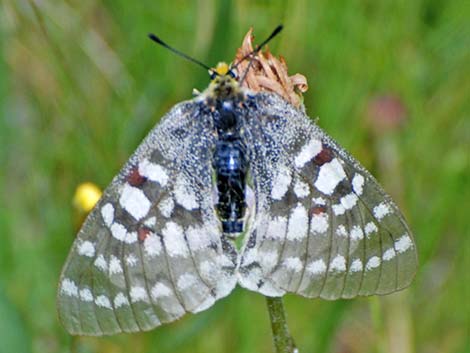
x,y
317,210
325,156
134,178
143,233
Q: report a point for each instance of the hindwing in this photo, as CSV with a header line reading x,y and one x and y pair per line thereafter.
x,y
322,227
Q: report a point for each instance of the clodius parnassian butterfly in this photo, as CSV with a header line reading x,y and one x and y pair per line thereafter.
x,y
231,187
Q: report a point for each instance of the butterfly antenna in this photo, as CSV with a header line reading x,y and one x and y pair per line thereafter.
x,y
177,52
260,46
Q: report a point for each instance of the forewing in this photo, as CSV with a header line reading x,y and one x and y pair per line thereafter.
x,y
152,249
323,227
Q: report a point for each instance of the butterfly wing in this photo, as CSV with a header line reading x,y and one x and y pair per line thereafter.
x,y
152,249
323,227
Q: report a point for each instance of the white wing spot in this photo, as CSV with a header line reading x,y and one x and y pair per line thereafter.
x,y
298,223
319,201
199,238
151,222
341,231
403,244
85,295
370,228
134,201
152,245
330,176
338,209
307,152
184,194
356,266
316,267
159,291
131,260
138,294
277,228
358,184
107,212
381,210
319,223
338,264
120,300
268,259
346,203
280,183
185,281
166,207
373,262
130,238
119,232
69,288
86,249
114,265
293,263
101,263
389,254
357,233
153,172
173,237
103,302
301,189
349,201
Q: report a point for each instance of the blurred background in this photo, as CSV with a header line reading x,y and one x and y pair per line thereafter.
x,y
81,85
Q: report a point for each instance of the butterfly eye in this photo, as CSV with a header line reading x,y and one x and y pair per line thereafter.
x,y
232,74
213,76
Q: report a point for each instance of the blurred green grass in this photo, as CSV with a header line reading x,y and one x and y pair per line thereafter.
x,y
81,85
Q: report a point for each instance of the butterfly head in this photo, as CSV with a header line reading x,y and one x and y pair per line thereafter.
x,y
224,82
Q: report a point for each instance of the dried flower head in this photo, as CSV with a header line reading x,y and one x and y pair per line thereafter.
x,y
265,72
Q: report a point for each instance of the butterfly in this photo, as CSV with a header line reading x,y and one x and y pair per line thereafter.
x,y
233,187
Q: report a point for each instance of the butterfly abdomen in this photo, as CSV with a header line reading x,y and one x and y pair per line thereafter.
x,y
231,166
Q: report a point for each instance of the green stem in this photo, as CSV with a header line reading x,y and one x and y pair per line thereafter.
x,y
74,344
283,341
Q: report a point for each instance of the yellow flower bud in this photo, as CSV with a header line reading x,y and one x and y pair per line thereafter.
x,y
86,196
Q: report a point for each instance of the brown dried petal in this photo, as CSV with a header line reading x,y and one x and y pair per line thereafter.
x,y
300,82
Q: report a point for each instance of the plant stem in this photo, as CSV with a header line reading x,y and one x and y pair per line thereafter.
x,y
283,341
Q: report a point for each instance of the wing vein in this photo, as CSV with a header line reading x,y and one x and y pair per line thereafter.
x,y
146,284
330,232
128,286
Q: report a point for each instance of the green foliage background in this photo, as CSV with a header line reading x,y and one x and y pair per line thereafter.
x,y
81,85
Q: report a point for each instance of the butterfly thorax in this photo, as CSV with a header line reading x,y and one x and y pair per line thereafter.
x,y
229,157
